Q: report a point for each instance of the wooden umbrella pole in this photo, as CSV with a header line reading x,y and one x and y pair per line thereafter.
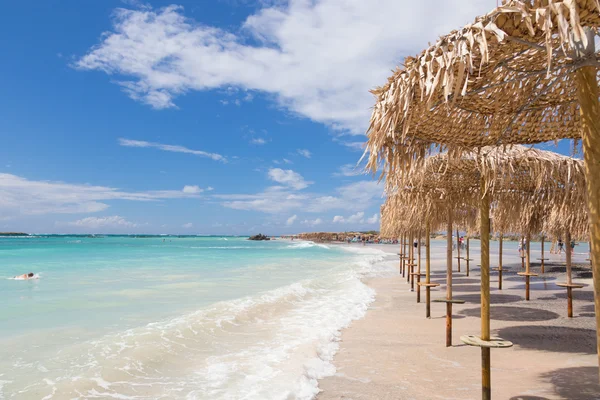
x,y
411,257
419,267
484,212
521,252
458,249
427,273
468,260
500,262
449,280
569,279
589,110
542,254
527,265
405,255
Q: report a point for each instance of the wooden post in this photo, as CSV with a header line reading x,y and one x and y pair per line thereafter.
x,y
589,110
542,254
405,255
412,262
569,278
468,255
457,250
449,279
521,253
500,262
400,257
427,272
527,265
484,212
419,267
410,259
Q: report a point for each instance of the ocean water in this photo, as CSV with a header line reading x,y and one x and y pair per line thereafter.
x,y
175,317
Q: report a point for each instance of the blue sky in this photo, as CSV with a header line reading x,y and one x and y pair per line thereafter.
x,y
223,117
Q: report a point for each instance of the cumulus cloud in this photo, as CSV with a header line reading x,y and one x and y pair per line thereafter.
x,y
290,221
192,189
103,222
313,222
19,195
277,200
355,219
373,219
348,170
171,148
338,219
304,153
318,58
288,178
259,141
187,226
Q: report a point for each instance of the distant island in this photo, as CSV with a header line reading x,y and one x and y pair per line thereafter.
x,y
260,236
13,234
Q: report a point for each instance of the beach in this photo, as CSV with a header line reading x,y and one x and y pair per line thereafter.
x,y
394,352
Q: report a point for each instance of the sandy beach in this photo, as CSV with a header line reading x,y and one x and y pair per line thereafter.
x,y
394,352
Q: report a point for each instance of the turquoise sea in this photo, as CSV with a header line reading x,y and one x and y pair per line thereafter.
x,y
175,317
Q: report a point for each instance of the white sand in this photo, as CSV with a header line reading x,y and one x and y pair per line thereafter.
x,y
396,353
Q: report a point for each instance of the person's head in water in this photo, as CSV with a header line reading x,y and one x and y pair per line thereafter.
x,y
30,275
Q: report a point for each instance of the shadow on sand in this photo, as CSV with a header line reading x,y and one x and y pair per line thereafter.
x,y
458,281
551,338
577,383
468,288
494,298
503,313
583,295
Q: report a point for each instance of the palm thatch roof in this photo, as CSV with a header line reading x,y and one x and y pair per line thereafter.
x,y
506,78
532,191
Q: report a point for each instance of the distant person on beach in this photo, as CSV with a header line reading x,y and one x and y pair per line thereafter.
x,y
560,246
25,276
573,244
415,243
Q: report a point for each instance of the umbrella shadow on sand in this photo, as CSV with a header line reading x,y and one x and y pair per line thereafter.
x,y
551,338
494,298
504,313
577,383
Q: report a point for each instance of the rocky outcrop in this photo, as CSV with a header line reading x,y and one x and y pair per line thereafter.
x,y
260,236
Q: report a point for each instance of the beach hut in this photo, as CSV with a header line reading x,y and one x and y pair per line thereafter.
x,y
524,73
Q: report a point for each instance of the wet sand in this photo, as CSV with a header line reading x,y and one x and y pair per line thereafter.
x,y
394,352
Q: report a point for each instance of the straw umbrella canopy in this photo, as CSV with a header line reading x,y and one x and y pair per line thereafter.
x,y
524,73
542,176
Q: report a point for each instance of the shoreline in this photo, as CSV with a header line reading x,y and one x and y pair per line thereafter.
x,y
394,352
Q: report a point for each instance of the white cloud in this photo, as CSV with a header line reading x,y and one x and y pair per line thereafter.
x,y
19,195
288,178
103,222
210,189
192,189
171,148
355,219
290,221
277,200
187,226
259,141
349,170
318,58
373,219
285,160
314,222
304,153
356,146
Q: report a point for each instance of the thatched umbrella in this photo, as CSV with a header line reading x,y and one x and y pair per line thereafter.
x,y
511,177
524,73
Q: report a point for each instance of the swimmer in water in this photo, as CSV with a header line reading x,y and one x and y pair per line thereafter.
x,y
25,276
